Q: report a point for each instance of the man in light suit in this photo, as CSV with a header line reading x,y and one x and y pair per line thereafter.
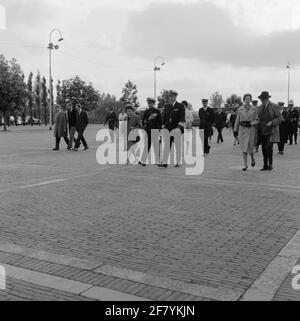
x,y
269,120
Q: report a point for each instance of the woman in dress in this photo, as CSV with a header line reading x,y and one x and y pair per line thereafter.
x,y
245,126
123,117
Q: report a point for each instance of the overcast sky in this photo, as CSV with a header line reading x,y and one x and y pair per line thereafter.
x,y
230,46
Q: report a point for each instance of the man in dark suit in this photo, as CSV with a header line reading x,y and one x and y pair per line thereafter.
x,y
293,120
283,129
152,123
207,119
173,117
269,120
83,122
73,123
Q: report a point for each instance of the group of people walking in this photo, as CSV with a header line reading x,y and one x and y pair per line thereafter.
x,y
67,122
252,126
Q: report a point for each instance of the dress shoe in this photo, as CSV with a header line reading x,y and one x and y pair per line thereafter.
x,y
245,169
86,148
142,164
163,165
266,168
177,166
55,149
253,164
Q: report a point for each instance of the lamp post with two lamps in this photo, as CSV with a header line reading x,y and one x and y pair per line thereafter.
x,y
51,47
156,69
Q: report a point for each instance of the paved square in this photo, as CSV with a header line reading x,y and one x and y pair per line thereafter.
x,y
149,233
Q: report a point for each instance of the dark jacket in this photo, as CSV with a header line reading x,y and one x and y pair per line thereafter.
x,y
284,128
220,120
152,119
207,119
112,120
83,121
172,116
73,118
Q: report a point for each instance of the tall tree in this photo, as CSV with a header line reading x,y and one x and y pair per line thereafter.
x,y
216,100
129,95
163,99
37,96
77,91
12,88
30,96
234,101
44,99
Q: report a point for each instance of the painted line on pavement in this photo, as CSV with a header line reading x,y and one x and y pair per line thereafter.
x,y
44,183
266,286
66,285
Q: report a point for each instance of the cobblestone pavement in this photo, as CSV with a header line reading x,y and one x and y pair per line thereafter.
x,y
143,232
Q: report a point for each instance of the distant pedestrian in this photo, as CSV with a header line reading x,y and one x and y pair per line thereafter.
x,y
293,121
83,122
60,127
188,131
73,124
220,122
123,118
269,121
112,121
245,128
207,119
283,129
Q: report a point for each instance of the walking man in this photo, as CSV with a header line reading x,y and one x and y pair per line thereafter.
x,y
73,123
283,129
151,123
269,120
60,127
293,120
173,118
83,122
207,119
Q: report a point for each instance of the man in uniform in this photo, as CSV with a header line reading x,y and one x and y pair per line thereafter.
x,y
293,120
207,119
173,117
152,124
283,129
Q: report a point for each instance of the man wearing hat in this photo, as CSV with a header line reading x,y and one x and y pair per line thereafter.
x,y
152,124
283,129
269,120
173,117
207,119
133,122
292,120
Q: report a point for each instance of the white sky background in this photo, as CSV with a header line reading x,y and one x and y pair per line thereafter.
x,y
230,46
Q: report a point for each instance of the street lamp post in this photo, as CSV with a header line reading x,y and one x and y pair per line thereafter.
x,y
289,81
156,69
51,47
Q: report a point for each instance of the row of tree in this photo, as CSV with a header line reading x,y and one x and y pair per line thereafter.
x,y
29,99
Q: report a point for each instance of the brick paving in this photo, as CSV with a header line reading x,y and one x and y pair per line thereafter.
x,y
219,229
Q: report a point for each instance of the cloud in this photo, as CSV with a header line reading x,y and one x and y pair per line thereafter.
x,y
206,32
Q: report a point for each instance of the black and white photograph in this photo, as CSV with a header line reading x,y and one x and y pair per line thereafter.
x,y
149,153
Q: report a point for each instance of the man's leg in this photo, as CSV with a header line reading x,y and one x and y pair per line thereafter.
x,y
78,140
264,151
67,141
72,134
206,149
84,141
296,135
57,142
